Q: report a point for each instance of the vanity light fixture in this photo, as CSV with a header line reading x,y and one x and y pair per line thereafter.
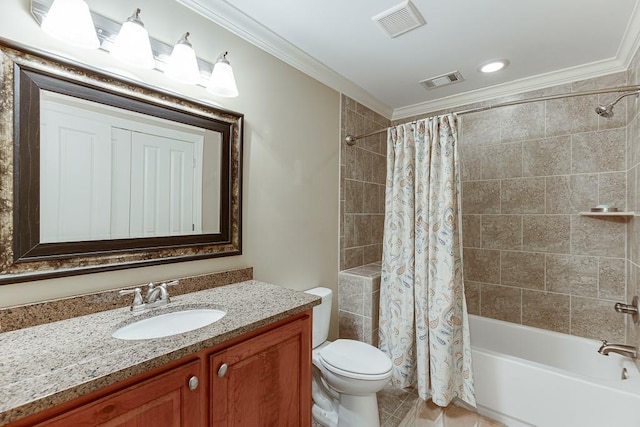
x,y
132,43
493,65
222,81
70,21
183,65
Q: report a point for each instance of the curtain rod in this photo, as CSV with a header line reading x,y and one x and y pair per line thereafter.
x,y
351,140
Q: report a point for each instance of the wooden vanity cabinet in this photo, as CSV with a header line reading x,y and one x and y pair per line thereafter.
x,y
166,400
266,381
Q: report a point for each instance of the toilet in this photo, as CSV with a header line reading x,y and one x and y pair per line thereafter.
x,y
346,374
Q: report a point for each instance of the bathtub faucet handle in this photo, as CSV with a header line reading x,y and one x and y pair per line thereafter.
x,y
631,309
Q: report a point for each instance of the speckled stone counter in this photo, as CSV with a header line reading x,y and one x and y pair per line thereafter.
x,y
49,364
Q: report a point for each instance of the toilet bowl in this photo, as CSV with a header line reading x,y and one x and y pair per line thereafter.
x,y
346,374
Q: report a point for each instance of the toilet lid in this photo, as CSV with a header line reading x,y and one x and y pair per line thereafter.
x,y
355,357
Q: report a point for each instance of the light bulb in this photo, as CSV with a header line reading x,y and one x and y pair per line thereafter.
x,y
222,81
183,65
70,21
132,43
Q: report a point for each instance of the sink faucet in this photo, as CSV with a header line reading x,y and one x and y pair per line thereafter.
x,y
158,295
625,350
155,296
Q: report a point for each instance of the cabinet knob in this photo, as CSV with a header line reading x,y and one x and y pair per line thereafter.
x,y
193,383
223,370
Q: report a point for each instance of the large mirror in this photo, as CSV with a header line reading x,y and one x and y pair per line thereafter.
x,y
101,174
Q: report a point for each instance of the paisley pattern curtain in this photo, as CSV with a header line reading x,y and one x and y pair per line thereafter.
x,y
423,316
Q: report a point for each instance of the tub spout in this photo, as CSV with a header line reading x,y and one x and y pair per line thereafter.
x,y
625,350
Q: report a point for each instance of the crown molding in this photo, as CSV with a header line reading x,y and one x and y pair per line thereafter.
x,y
238,23
621,62
540,81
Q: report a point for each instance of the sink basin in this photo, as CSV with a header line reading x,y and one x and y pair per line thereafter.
x,y
165,325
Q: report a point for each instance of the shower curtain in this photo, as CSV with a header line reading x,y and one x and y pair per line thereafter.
x,y
423,317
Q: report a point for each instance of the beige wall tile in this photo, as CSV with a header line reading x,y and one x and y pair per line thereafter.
x,y
354,196
571,274
370,198
362,224
350,293
481,265
372,253
522,196
611,278
522,122
472,297
353,257
501,232
571,115
480,128
599,236
612,189
471,231
546,310
571,194
471,163
481,197
350,326
602,151
502,160
501,302
549,156
596,319
546,233
522,269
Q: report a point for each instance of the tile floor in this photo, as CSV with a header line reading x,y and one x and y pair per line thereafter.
x,y
401,408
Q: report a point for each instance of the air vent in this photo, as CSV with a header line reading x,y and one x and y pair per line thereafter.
x,y
399,19
442,80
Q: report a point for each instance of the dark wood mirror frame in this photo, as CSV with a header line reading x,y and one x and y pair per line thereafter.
x,y
22,256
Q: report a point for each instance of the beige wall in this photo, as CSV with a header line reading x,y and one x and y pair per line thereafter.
x,y
291,147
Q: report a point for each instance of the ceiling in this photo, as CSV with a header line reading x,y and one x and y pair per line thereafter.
x,y
547,42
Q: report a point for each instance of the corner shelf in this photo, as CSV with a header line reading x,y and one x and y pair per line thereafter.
x,y
589,213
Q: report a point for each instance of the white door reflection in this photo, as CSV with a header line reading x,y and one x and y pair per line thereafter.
x,y
108,173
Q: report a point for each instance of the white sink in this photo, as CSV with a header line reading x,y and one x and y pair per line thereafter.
x,y
168,324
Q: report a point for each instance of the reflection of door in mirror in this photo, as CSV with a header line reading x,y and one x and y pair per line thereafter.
x,y
112,174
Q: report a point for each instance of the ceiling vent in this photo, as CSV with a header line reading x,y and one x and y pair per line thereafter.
x,y
442,80
399,19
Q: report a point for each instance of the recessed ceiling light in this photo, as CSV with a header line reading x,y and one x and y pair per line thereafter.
x,y
493,65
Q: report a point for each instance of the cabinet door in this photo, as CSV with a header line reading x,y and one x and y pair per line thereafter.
x,y
162,401
264,381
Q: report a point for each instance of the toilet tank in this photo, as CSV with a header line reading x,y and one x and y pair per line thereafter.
x,y
321,315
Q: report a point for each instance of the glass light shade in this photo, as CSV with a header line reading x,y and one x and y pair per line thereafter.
x,y
493,66
183,65
70,21
132,44
222,81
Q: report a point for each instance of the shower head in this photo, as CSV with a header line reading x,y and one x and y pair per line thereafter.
x,y
606,111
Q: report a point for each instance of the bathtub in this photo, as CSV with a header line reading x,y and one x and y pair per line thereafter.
x,y
531,377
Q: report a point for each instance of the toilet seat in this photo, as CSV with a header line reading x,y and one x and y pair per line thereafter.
x,y
355,359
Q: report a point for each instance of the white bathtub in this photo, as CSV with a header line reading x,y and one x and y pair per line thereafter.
x,y
531,377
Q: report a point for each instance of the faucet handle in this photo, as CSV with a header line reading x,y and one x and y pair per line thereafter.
x,y
171,283
138,302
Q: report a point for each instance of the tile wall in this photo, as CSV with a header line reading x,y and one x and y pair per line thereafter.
x,y
633,200
362,181
528,170
358,302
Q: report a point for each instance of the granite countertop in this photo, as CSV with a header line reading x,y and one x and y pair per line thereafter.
x,y
49,364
